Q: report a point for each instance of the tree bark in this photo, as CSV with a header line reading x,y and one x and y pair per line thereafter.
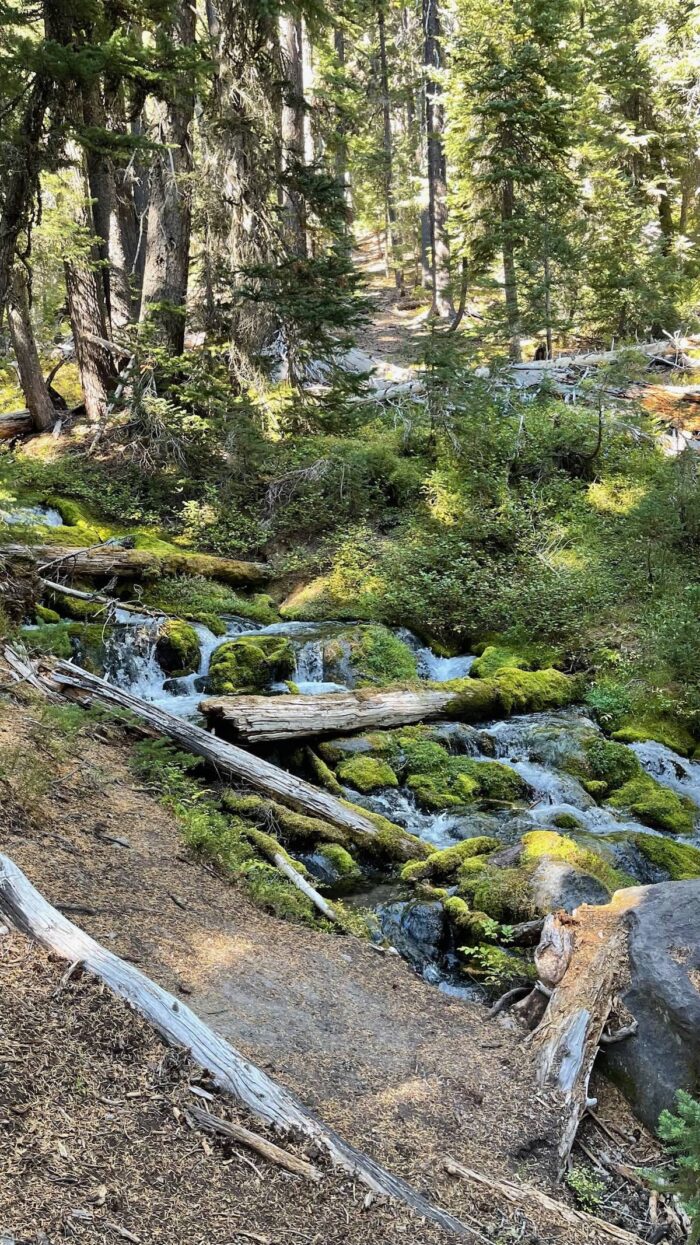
x,y
259,719
22,180
15,424
342,173
108,560
293,137
233,762
34,387
437,165
167,261
509,269
30,913
86,306
394,246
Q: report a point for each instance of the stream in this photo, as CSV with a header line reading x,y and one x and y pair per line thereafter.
x,y
537,746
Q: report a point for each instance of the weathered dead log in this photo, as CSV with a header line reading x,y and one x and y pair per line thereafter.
x,y
105,561
528,1199
25,908
233,1131
286,868
591,948
255,719
15,424
235,763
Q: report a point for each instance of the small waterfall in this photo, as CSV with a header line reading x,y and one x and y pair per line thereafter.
x,y
669,768
28,516
398,805
430,666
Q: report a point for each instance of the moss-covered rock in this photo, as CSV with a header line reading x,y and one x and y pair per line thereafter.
x,y
440,780
444,865
367,773
644,798
679,861
344,866
77,609
663,730
323,773
369,656
495,658
250,663
177,648
46,615
510,691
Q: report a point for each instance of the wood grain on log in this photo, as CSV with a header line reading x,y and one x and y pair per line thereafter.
x,y
236,1132
15,424
256,719
104,561
566,1041
32,915
233,762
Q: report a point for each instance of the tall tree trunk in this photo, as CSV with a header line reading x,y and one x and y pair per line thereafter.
x,y
509,270
167,261
34,388
293,138
342,173
86,306
21,180
392,230
548,305
437,167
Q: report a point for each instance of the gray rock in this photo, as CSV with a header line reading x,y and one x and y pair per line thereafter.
x,y
555,884
664,998
416,929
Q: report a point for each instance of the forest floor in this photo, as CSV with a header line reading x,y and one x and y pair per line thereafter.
x,y
399,1069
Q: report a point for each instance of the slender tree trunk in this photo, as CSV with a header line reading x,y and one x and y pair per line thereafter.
x,y
509,270
167,261
86,306
34,387
393,235
293,137
548,305
437,167
342,174
21,181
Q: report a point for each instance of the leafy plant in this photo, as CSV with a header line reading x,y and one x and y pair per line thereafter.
x,y
681,1132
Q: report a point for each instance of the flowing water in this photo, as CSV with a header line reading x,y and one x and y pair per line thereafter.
x,y
539,747
28,516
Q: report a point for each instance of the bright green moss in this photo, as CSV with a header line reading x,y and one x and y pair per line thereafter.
x,y
610,763
294,827
436,792
540,843
444,865
323,773
494,658
679,860
474,700
177,648
503,894
671,734
567,821
441,780
530,691
249,663
341,860
595,787
376,655
273,893
73,607
45,615
655,805
391,843
367,773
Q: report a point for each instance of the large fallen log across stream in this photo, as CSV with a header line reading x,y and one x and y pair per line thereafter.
x,y
27,910
231,761
256,719
112,559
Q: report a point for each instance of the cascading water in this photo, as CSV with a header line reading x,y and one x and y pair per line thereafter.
x,y
670,769
29,516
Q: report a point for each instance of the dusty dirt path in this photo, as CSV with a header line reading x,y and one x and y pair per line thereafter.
x,y
403,1071
394,332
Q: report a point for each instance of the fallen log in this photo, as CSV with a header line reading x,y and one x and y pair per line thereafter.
x,y
15,424
235,763
585,957
108,560
256,719
286,868
527,1198
25,908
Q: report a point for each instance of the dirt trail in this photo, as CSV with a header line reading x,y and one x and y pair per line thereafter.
x,y
400,1069
394,331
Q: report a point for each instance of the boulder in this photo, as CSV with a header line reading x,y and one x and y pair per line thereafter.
x,y
663,996
555,884
416,929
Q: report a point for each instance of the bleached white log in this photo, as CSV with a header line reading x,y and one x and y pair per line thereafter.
x,y
25,908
